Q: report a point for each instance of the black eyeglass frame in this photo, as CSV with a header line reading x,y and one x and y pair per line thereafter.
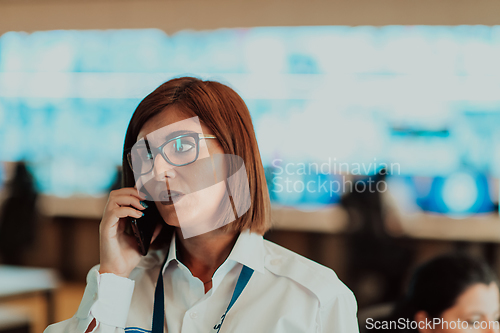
x,y
159,150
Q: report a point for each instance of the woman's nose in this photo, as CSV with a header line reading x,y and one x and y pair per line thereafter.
x,y
162,169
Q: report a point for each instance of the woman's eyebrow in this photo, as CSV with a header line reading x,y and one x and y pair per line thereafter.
x,y
474,313
177,133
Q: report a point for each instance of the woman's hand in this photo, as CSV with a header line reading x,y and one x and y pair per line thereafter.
x,y
119,252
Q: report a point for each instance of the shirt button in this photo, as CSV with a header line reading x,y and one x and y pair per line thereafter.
x,y
275,262
193,315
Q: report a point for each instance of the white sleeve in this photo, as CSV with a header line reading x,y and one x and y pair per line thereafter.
x,y
339,315
106,299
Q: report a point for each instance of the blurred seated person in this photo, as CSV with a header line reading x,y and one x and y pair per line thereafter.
x,y
18,216
450,293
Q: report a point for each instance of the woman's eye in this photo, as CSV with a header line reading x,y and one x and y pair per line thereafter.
x,y
182,146
473,322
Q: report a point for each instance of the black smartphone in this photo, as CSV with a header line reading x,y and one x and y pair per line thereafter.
x,y
144,227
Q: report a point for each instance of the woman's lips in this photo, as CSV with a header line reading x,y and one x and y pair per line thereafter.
x,y
170,197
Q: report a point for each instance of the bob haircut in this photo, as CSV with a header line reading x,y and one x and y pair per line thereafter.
x,y
223,111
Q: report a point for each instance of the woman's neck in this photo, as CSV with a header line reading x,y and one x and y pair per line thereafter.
x,y
203,254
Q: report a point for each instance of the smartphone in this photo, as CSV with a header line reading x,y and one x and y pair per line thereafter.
x,y
144,227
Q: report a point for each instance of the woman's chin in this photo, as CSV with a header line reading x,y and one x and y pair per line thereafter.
x,y
168,214
176,215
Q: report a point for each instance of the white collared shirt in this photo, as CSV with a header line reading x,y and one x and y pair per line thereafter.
x,y
287,293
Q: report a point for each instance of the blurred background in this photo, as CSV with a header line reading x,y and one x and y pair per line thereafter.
x,y
378,123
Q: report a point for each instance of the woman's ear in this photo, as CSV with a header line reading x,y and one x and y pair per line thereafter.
x,y
422,316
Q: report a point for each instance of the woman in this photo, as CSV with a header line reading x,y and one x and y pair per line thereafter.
x,y
451,293
219,279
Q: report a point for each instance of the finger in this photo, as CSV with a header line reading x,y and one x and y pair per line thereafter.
x,y
122,212
128,191
113,217
128,200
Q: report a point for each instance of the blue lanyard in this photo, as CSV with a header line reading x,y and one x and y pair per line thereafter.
x,y
159,305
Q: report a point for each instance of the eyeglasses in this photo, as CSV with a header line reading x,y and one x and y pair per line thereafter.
x,y
179,151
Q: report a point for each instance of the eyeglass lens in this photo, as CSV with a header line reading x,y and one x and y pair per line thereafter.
x,y
179,151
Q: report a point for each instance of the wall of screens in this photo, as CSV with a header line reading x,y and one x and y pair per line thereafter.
x,y
421,101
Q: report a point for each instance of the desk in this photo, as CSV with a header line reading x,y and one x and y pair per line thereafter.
x,y
482,229
16,282
66,212
477,228
328,219
75,207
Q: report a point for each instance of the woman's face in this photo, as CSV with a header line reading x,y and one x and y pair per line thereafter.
x,y
193,203
477,305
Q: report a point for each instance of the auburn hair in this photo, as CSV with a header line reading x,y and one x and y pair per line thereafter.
x,y
224,112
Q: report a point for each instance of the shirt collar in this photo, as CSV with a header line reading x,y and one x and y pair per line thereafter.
x,y
248,250
172,252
